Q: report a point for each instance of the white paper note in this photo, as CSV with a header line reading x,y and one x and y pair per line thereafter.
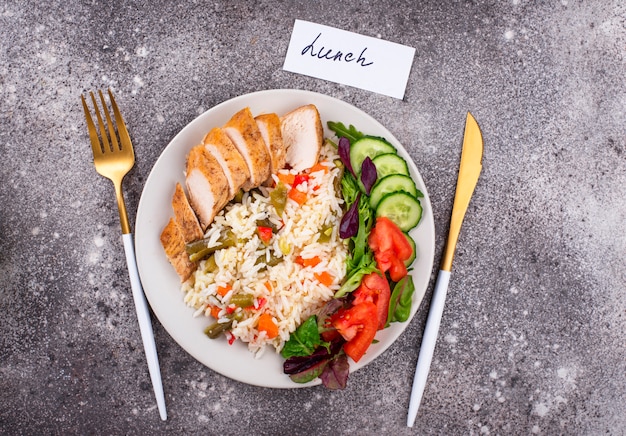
x,y
349,58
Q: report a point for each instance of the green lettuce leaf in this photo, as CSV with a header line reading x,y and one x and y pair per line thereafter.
x,y
304,340
366,265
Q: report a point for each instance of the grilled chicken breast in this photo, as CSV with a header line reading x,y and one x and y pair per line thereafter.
x,y
185,216
206,183
232,162
303,136
174,246
242,154
269,126
244,133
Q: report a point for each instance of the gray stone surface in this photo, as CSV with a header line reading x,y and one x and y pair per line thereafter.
x,y
533,336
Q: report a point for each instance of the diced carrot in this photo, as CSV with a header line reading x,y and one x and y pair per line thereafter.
x,y
267,325
319,167
215,312
223,290
297,196
312,261
324,278
287,179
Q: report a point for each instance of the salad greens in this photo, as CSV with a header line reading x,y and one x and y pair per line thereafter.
x,y
349,225
360,217
330,364
366,265
351,133
344,154
368,174
400,301
335,374
304,341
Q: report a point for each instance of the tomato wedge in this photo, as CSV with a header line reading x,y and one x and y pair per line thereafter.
x,y
391,248
358,326
375,289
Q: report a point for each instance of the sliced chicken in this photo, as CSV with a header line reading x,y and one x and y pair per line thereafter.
x,y
244,133
174,246
269,125
232,162
303,136
241,155
185,216
206,184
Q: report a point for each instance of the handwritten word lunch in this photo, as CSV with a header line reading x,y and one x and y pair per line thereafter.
x,y
335,55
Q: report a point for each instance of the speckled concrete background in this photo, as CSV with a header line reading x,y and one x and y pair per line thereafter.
x,y
533,336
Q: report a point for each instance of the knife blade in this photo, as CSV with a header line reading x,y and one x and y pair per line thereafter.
x,y
469,171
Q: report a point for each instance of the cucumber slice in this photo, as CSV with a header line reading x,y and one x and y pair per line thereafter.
x,y
401,208
390,163
392,183
410,260
368,146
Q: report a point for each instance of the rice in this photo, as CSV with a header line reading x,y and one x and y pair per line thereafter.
x,y
273,275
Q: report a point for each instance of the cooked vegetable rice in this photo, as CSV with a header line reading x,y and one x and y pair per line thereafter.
x,y
272,275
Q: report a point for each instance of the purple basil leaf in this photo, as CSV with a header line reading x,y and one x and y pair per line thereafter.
x,y
330,307
344,153
297,364
310,373
349,225
368,174
336,345
335,374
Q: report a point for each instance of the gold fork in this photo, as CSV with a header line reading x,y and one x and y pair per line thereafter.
x,y
114,159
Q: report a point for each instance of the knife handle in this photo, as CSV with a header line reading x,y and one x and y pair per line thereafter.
x,y
428,344
145,324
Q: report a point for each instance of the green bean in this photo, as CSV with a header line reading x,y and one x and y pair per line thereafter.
x,y
198,250
210,265
216,329
201,254
242,300
273,260
196,246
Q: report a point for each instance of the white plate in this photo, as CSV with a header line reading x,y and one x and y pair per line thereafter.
x,y
162,285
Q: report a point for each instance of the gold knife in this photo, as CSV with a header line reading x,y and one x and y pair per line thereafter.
x,y
469,170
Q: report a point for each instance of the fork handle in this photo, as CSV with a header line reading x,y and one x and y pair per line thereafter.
x,y
145,324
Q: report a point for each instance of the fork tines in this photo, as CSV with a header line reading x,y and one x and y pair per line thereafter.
x,y
109,141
